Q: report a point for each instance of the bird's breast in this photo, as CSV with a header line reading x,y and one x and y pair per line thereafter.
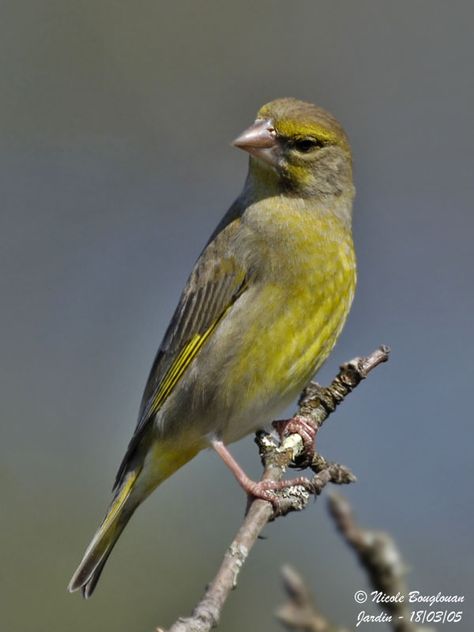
x,y
285,325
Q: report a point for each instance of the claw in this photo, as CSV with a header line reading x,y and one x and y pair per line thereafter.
x,y
266,490
298,425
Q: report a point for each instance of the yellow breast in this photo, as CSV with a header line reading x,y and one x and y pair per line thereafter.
x,y
299,304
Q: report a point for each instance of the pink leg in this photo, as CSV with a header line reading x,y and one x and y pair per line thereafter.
x,y
262,489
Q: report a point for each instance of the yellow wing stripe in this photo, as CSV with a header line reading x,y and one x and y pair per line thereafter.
x,y
120,499
184,359
179,366
177,370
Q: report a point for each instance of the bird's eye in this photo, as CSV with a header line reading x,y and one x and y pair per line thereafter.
x,y
305,145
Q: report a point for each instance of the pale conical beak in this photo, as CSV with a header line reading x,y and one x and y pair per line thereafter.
x,y
260,141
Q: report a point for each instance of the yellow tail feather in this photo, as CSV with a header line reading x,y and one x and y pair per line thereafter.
x,y
119,513
162,459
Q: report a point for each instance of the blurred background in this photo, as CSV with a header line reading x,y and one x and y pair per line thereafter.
x,y
115,166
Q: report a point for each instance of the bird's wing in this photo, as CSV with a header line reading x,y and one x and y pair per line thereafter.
x,y
215,283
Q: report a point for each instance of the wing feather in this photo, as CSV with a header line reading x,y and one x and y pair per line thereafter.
x,y
215,283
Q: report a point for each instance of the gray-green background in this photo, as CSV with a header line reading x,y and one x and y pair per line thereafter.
x,y
115,165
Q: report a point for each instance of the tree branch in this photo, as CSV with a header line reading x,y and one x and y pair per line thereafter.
x,y
381,560
300,612
315,405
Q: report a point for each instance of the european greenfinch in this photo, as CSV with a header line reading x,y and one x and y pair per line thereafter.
x,y
260,312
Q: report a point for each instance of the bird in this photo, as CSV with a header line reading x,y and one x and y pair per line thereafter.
x,y
259,314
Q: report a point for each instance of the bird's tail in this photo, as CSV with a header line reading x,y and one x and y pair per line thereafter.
x,y
135,483
120,511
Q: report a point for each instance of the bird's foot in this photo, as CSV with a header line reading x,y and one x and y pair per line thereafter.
x,y
298,425
265,490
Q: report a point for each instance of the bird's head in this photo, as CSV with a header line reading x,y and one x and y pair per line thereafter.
x,y
299,149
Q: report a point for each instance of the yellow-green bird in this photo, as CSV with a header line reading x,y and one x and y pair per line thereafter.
x,y
259,314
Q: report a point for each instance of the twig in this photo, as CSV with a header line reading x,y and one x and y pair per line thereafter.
x,y
300,612
380,558
382,561
315,405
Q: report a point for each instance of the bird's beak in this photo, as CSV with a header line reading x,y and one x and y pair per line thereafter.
x,y
260,141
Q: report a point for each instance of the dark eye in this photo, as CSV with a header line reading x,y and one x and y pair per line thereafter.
x,y
305,145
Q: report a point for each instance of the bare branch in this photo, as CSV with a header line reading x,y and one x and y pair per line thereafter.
x,y
300,612
315,405
380,558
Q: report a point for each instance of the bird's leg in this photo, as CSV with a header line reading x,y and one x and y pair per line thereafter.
x,y
298,425
261,489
